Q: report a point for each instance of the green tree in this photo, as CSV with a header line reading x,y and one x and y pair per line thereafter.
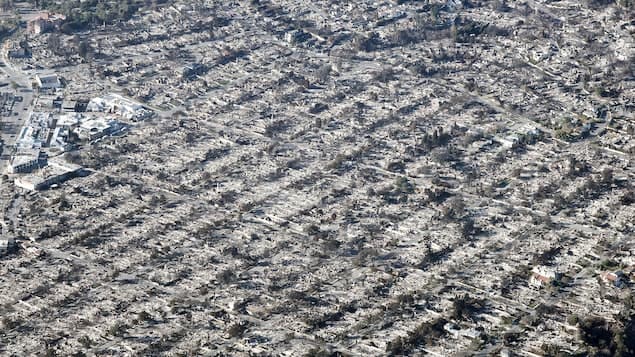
x,y
84,50
102,13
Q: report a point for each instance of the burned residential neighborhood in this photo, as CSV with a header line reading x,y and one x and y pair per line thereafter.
x,y
317,178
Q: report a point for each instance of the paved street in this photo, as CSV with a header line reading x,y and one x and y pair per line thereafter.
x,y
10,125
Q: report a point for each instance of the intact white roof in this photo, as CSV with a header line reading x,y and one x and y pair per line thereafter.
x,y
97,124
69,119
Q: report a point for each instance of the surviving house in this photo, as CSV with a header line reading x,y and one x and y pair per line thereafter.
x,y
543,276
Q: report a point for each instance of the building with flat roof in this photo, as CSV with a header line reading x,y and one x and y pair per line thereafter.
x,y
51,81
97,127
57,171
116,104
27,160
28,154
69,105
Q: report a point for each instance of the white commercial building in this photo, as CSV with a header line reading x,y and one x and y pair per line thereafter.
x,y
26,160
95,128
116,104
57,171
50,81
